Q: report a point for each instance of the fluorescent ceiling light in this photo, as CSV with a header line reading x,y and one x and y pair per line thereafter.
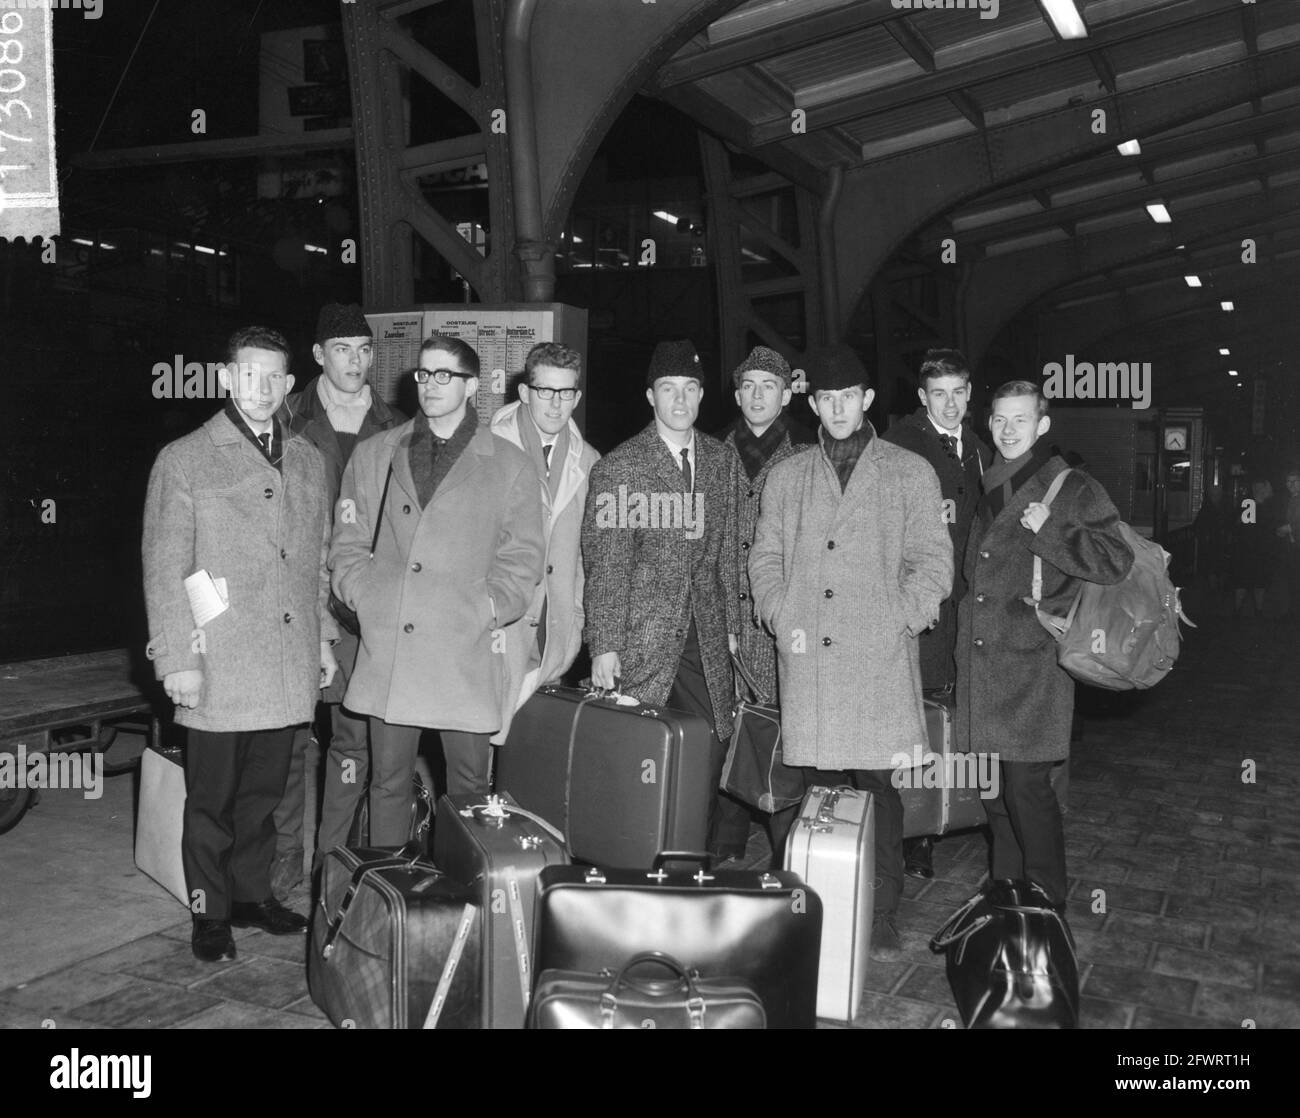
x,y
1065,18
1193,281
316,248
1223,352
204,248
1232,372
1159,213
1130,147
105,244
664,215
1228,305
576,239
83,241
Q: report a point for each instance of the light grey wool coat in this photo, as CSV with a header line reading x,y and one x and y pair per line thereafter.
x,y
644,583
443,581
215,503
839,579
561,586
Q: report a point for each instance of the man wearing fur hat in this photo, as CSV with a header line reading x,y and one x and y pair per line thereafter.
x,y
762,436
334,412
850,562
661,599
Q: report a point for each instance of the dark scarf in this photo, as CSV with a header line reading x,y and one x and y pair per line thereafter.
x,y
1003,479
755,450
432,458
843,454
276,457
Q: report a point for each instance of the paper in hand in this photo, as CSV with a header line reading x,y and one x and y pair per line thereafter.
x,y
208,597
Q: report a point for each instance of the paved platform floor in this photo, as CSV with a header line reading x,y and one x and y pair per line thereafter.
x,y
1182,832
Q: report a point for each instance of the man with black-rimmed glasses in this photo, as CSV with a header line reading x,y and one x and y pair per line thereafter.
x,y
438,545
542,645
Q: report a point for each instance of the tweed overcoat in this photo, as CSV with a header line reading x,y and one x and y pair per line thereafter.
x,y
840,578
1013,698
561,588
442,582
644,582
960,484
304,414
757,648
215,503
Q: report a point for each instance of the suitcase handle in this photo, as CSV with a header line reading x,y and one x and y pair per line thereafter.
x,y
701,858
609,999
496,807
406,856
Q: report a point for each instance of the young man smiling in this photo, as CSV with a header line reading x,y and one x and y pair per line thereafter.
x,y
245,501
1013,699
460,552
542,644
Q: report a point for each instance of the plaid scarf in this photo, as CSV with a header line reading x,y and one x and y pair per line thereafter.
x,y
431,458
843,454
755,450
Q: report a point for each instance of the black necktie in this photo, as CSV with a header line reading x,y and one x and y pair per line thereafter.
x,y
686,469
265,440
950,444
546,455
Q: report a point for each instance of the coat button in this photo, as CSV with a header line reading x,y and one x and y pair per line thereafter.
x,y
408,628
268,493
984,554
283,554
550,569
416,568
826,641
830,593
287,618
679,633
744,547
980,597
961,491
979,642
743,596
751,492
830,545
406,509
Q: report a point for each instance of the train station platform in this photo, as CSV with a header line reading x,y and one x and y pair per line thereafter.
x,y
1182,834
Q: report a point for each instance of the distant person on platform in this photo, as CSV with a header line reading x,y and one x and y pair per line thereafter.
x,y
762,436
242,504
460,552
938,432
542,645
333,412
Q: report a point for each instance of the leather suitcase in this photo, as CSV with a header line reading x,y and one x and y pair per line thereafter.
x,y
480,842
952,802
759,928
394,943
832,846
623,783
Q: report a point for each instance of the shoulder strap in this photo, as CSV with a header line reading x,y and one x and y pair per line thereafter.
x,y
1048,498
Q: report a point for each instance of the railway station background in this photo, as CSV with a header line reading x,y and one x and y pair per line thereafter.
x,y
807,170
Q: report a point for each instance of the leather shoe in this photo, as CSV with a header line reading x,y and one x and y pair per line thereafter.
x,y
269,915
917,857
211,941
886,943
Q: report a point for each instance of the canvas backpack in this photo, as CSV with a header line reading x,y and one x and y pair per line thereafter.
x,y
1124,636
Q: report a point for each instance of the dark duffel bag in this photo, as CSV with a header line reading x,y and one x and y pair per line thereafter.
x,y
761,928
575,1000
1011,960
394,943
421,818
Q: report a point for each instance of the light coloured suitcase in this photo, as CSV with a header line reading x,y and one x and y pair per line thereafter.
x,y
832,846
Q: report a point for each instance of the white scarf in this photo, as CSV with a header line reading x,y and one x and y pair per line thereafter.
x,y
346,411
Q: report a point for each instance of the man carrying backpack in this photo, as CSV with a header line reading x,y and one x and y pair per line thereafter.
x,y
1013,698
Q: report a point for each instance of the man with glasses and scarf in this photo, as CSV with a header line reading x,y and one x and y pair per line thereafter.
x,y
458,555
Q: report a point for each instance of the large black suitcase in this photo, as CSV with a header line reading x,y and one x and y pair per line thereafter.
x,y
395,943
762,928
484,843
623,783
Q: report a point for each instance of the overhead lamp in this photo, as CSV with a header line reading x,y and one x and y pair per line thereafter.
x,y
1065,18
317,248
1159,213
1232,372
1228,305
204,249
1223,352
1129,147
664,215
1193,281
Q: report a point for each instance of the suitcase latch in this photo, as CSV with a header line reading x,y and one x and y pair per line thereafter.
x,y
593,877
529,842
769,881
700,877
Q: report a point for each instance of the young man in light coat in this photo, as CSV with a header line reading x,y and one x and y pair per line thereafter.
x,y
849,564
1013,699
460,553
334,412
541,645
246,502
661,598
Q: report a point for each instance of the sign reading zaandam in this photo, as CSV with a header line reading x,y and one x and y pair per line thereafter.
x,y
29,193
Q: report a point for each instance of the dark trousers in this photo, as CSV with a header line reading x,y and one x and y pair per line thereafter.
x,y
392,764
1025,822
690,692
347,768
232,782
889,836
